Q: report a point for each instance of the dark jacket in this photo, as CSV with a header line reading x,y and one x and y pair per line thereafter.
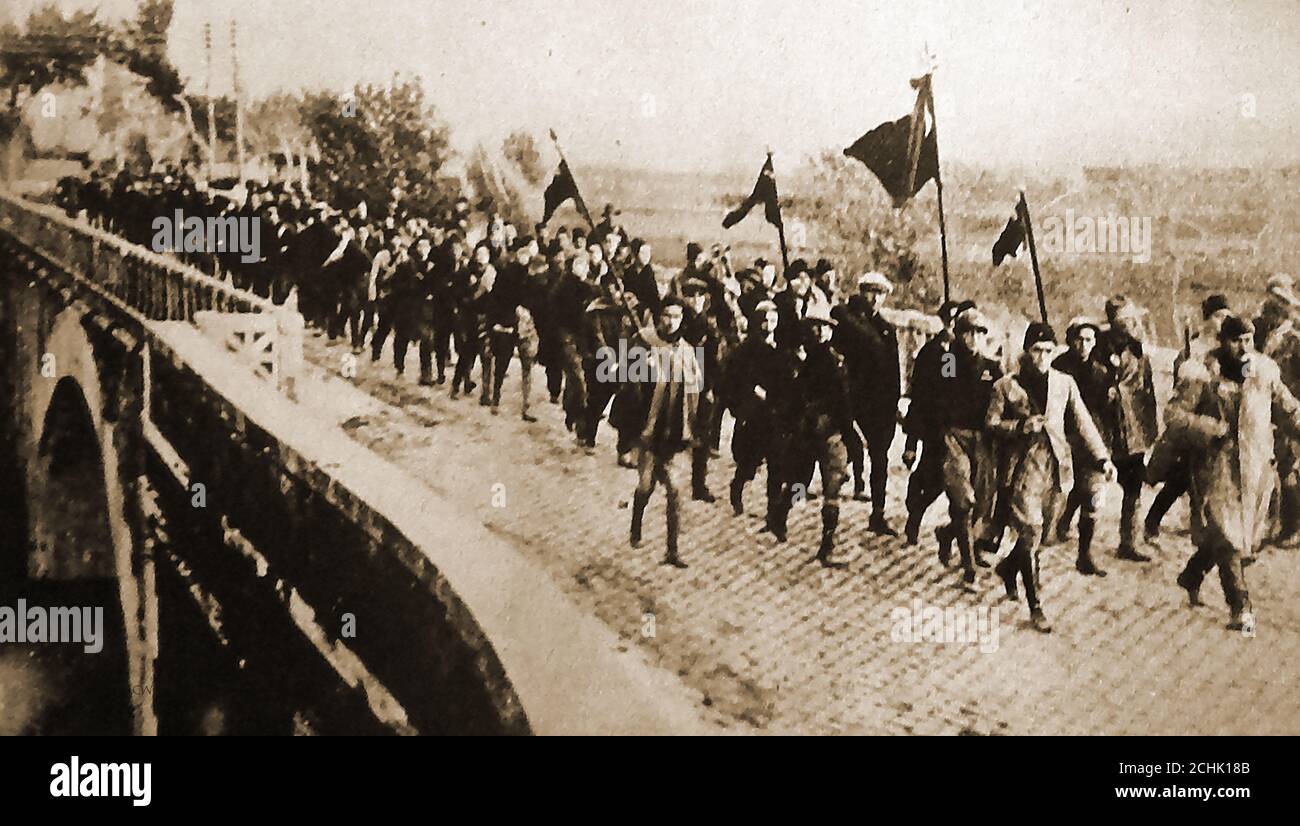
x,y
968,391
870,347
926,388
755,363
641,283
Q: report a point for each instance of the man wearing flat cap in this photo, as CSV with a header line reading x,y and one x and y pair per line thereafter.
x,y
825,414
1226,412
869,344
1030,413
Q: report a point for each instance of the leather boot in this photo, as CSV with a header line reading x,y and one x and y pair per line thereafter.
x,y
639,501
1085,564
826,553
671,558
738,497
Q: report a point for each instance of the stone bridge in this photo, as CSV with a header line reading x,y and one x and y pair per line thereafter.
x,y
263,573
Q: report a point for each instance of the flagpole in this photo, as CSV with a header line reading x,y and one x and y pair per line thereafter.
x,y
622,299
938,184
1023,207
586,214
780,227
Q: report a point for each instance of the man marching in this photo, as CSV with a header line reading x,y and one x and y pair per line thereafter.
x,y
924,417
670,420
1130,418
870,347
968,470
1086,495
1225,413
1030,413
826,415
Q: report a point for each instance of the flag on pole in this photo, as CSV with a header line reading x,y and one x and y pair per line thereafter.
x,y
1011,239
902,153
764,193
561,189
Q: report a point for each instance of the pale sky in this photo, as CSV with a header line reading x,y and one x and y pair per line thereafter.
x,y
707,84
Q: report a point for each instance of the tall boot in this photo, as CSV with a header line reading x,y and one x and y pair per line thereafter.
x,y
961,532
737,496
1085,564
912,530
1129,529
700,475
639,501
1289,514
778,510
671,558
825,553
526,391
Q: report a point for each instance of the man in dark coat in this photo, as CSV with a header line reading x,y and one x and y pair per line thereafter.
x,y
759,386
924,417
870,347
1129,422
1086,495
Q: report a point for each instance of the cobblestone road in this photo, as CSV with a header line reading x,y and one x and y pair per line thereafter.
x,y
770,642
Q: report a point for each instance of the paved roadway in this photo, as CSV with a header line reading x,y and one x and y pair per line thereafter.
x,y
765,640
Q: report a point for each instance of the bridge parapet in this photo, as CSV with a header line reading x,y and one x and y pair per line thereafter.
x,y
158,288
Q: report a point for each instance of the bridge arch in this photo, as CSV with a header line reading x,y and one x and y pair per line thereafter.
x,y
80,526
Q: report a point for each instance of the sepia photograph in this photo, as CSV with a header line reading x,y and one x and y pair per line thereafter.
x,y
587,367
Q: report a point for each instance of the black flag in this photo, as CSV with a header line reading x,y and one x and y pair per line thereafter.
x,y
764,193
561,189
1011,239
884,150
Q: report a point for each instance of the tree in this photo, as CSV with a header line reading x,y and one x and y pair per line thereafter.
x,y
49,49
520,149
377,138
142,47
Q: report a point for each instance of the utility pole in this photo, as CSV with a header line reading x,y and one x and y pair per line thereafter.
x,y
212,109
239,102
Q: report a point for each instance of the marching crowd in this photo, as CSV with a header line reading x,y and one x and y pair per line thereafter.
x,y
808,367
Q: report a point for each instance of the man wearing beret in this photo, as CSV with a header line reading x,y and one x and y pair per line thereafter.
x,y
1226,411
1030,413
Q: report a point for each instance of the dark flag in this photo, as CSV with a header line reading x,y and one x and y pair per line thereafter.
x,y
561,189
1011,239
764,193
1019,232
884,151
901,153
